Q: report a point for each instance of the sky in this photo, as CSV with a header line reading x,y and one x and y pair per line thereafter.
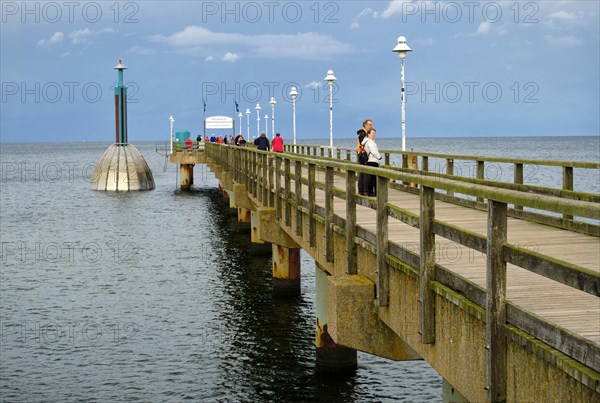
x,y
477,68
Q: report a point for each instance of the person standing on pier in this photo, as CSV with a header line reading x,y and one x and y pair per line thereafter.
x,y
277,144
262,143
362,134
370,147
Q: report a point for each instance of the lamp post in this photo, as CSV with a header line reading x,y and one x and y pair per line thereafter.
x,y
248,123
330,78
171,144
267,125
240,116
294,94
402,49
273,103
257,119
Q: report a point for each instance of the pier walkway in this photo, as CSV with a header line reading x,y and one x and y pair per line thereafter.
x,y
496,285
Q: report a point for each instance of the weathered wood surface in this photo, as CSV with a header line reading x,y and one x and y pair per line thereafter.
x,y
566,307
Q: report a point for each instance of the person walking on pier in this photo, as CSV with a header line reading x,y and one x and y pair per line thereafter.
x,y
262,143
277,144
370,147
362,134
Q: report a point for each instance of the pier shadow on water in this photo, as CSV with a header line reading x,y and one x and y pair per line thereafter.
x,y
269,340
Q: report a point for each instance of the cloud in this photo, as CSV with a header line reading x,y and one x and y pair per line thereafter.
x,y
194,40
312,85
81,36
400,6
230,57
65,54
562,15
483,28
563,41
57,37
140,50
209,59
364,13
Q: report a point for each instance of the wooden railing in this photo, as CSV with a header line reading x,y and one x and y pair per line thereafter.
x,y
519,166
262,173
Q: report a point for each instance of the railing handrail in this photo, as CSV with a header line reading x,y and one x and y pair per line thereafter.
x,y
547,203
525,161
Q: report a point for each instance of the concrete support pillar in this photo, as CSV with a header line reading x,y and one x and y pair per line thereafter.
x,y
186,175
451,395
244,217
330,357
258,246
286,270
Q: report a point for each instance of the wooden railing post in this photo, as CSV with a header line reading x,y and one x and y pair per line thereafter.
x,y
272,196
322,152
348,153
425,163
265,180
495,322
254,176
278,210
298,189
312,230
518,179
383,280
449,171
427,265
351,267
567,185
286,194
480,175
386,159
338,154
328,214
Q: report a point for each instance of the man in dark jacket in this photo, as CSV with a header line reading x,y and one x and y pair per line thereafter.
x,y
363,179
262,143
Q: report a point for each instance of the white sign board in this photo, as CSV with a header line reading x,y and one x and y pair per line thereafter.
x,y
219,122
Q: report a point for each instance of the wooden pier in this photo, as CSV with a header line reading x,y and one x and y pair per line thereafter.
x,y
496,285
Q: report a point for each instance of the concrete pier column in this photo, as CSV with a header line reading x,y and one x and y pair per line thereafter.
x,y
286,270
257,244
186,174
330,357
244,218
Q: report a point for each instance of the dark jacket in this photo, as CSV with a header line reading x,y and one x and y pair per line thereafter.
x,y
361,136
262,143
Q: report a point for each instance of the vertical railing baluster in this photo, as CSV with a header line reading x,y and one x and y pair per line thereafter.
x,y
286,194
567,185
328,214
518,180
278,209
427,265
425,163
383,280
450,171
495,322
351,267
271,181
298,191
312,230
480,175
265,180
